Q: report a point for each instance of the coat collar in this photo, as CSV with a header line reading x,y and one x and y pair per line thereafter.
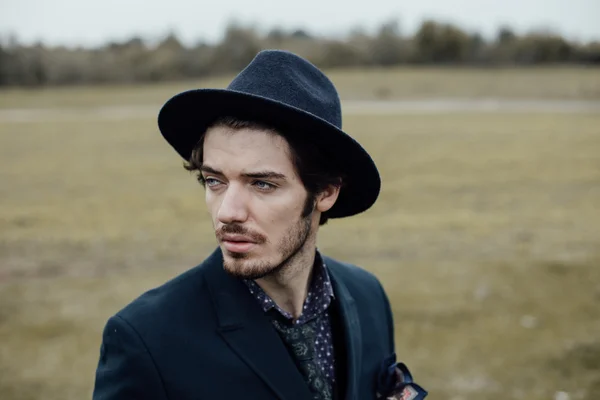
x,y
351,326
243,325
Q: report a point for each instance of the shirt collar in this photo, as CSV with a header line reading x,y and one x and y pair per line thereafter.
x,y
320,294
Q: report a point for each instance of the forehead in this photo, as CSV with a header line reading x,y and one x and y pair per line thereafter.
x,y
245,148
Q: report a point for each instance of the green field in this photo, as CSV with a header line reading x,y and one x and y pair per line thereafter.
x,y
486,235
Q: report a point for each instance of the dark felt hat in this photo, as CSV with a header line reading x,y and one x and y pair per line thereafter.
x,y
288,92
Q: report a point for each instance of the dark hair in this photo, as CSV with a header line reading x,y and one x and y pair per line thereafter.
x,y
316,170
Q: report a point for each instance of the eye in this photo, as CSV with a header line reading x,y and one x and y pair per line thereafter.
x,y
264,186
211,182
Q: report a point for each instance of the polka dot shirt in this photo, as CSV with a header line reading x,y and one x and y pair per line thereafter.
x,y
316,305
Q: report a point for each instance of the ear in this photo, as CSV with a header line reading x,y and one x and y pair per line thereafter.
x,y
327,198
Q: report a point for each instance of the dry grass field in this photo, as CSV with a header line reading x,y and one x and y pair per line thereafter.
x,y
486,235
574,83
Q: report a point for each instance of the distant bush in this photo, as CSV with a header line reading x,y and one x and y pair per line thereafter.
x,y
134,60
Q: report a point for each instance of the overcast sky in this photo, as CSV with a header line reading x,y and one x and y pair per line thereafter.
x,y
84,22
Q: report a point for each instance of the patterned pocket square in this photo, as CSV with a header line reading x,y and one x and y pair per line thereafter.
x,y
395,382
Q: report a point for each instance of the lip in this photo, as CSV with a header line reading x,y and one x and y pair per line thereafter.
x,y
236,243
238,246
231,237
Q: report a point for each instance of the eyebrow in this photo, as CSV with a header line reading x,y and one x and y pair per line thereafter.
x,y
210,170
254,175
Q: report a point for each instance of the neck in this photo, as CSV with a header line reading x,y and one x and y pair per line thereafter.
x,y
289,286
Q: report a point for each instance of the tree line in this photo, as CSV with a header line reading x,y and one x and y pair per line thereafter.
x,y
134,60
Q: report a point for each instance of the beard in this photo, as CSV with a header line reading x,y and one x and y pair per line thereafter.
x,y
241,266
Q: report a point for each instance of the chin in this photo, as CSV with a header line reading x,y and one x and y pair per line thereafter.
x,y
244,266
238,257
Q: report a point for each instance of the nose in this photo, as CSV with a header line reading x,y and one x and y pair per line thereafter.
x,y
233,207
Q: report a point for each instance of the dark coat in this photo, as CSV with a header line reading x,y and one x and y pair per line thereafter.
x,y
203,336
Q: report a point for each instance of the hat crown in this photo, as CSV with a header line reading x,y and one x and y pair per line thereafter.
x,y
287,78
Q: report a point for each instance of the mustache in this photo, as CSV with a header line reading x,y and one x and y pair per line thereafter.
x,y
237,229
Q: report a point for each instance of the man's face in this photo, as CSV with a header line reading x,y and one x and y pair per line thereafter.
x,y
255,198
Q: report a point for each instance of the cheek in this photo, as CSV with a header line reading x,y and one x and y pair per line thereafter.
x,y
279,216
212,203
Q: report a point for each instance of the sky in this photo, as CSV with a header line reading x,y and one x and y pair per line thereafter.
x,y
93,23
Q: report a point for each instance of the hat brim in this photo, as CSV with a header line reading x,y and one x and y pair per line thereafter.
x,y
185,117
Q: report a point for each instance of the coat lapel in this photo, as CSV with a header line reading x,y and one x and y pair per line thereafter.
x,y
249,333
350,326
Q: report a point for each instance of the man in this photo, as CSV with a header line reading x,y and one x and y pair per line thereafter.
x,y
266,316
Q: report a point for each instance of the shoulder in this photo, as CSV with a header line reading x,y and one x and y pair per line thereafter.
x,y
352,274
174,299
159,299
363,284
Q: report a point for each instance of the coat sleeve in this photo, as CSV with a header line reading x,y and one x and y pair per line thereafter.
x,y
126,369
389,318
